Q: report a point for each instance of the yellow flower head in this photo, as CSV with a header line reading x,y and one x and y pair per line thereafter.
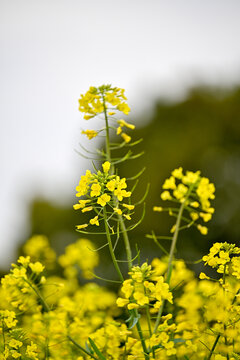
x,y
103,188
94,221
98,99
90,133
36,267
194,193
103,199
126,137
106,166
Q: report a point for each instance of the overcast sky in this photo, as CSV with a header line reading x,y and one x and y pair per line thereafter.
x,y
53,50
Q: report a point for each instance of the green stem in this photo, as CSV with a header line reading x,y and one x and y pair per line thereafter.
x,y
108,158
149,320
170,260
149,327
213,347
3,335
126,242
111,247
139,329
108,151
174,240
123,229
43,302
81,348
218,336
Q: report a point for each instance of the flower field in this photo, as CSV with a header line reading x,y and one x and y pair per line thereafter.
x,y
161,309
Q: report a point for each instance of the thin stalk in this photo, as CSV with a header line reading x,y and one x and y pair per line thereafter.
x,y
111,247
123,229
218,336
108,158
108,151
81,348
149,320
139,329
174,239
43,302
3,335
126,242
170,260
213,347
149,327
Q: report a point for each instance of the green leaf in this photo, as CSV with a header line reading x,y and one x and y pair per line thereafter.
x,y
95,348
133,319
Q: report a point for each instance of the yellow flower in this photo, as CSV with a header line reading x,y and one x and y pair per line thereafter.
x,y
90,133
106,166
15,343
165,195
128,217
81,204
203,229
124,108
177,173
180,191
203,276
127,288
206,216
89,208
169,183
194,215
141,298
9,318
24,260
194,204
132,306
32,351
95,190
15,354
191,177
121,193
88,117
123,123
94,221
122,302
103,199
157,208
129,207
126,137
36,267
119,130
111,185
118,211
83,226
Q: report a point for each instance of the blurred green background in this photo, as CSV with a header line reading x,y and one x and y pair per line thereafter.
x,y
201,132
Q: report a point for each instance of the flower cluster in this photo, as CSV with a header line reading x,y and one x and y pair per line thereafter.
x,y
103,189
144,288
222,256
39,249
194,192
79,255
24,278
163,311
106,100
105,97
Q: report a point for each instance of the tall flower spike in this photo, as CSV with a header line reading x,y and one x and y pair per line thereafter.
x,y
99,100
194,191
102,189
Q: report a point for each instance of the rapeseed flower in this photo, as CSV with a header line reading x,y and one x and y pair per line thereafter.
x,y
194,192
102,189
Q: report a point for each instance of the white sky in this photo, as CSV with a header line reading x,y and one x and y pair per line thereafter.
x,y
53,50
